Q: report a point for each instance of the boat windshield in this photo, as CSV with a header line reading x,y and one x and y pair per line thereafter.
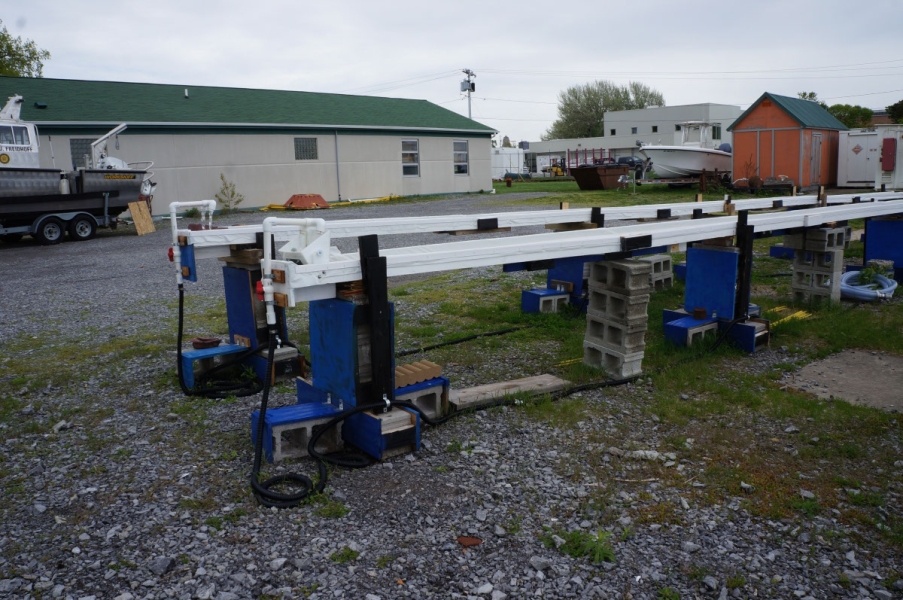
x,y
14,135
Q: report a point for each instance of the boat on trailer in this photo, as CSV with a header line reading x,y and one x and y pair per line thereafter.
x,y
691,157
103,187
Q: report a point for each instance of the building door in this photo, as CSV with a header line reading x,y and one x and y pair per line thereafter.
x,y
815,160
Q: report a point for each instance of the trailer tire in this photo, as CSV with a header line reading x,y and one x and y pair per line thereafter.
x,y
50,231
82,228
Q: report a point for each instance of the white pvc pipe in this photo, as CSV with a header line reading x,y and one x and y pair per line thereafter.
x,y
206,206
318,225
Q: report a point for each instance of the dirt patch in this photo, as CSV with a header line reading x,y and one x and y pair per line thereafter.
x,y
860,377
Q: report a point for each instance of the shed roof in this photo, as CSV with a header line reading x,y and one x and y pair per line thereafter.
x,y
77,102
805,112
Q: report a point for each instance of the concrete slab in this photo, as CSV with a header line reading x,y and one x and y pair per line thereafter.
x,y
486,394
857,376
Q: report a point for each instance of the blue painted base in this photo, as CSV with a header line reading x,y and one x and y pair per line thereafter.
x,y
780,252
744,335
531,300
677,330
286,415
680,271
364,431
188,359
711,281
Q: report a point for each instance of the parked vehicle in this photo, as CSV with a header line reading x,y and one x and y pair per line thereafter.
x,y
632,161
46,203
690,158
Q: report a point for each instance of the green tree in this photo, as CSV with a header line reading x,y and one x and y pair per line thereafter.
x,y
812,97
851,116
20,58
581,108
895,112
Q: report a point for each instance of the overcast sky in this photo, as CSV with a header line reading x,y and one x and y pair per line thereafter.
x,y
523,53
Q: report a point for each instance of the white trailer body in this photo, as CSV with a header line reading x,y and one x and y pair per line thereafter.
x,y
889,166
859,153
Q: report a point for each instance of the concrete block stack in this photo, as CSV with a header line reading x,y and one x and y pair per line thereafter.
x,y
616,316
660,275
817,263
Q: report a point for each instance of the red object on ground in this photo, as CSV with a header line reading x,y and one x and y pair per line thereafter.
x,y
468,541
306,202
199,343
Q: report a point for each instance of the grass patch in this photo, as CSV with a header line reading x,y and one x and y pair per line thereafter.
x,y
580,544
345,555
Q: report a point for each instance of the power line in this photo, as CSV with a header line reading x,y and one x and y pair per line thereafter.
x,y
385,83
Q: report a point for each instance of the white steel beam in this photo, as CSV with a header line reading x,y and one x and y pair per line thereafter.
x,y
216,241
307,282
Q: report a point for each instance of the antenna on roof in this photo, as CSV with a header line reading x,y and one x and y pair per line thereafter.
x,y
186,93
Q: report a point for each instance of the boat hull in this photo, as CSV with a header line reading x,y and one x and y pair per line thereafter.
x,y
674,162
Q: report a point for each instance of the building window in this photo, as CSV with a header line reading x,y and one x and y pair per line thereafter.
x,y
716,132
613,132
410,158
80,149
655,129
460,159
306,149
677,128
633,130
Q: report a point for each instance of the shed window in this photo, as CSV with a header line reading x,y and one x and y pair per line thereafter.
x,y
306,149
716,132
410,158
655,129
633,130
80,149
677,128
461,156
613,132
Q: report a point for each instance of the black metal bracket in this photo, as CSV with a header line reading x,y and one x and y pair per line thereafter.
x,y
663,213
373,269
745,237
540,265
483,224
597,217
635,243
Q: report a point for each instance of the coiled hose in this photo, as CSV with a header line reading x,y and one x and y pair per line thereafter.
x,y
852,289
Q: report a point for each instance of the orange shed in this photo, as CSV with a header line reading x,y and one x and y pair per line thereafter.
x,y
779,135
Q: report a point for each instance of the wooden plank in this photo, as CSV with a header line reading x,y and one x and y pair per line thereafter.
x,y
141,216
570,226
474,231
486,394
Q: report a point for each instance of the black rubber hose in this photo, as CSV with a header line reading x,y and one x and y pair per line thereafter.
x,y
263,489
203,388
401,353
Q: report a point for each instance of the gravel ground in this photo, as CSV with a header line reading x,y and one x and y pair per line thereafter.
x,y
121,488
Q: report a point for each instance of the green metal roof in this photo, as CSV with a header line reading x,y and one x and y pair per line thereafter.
x,y
805,112
75,102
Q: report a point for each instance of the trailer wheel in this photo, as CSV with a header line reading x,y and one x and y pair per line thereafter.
x,y
50,231
82,228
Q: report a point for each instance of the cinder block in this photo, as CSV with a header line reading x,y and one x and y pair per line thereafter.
x,y
288,429
614,306
659,264
662,283
619,365
817,282
687,330
826,262
819,240
622,276
543,300
616,336
429,396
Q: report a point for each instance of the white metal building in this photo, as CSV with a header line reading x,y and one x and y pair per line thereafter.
x,y
271,144
623,129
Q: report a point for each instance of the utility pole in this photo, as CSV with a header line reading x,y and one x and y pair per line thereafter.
x,y
468,86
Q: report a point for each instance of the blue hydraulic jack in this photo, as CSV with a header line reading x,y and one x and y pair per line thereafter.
x,y
717,295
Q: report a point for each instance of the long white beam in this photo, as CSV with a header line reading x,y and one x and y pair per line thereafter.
x,y
310,282
247,234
